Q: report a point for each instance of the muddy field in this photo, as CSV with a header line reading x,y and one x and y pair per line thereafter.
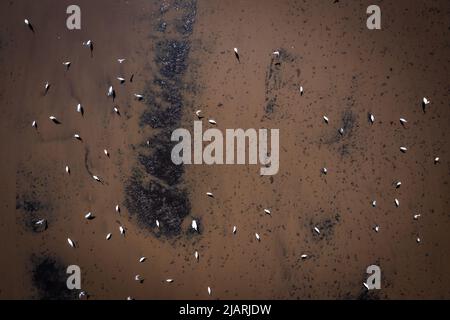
x,y
179,57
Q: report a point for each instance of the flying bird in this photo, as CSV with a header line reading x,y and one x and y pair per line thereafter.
x,y
416,216
121,60
71,242
425,103
236,53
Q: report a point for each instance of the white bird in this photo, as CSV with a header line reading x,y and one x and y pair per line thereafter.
x,y
121,80
87,43
117,208
403,149
79,108
88,215
157,223
129,298
209,290
374,203
46,86
197,113
425,101
142,259
34,124
71,242
108,236
53,118
365,285
304,256
403,121
77,136
416,216
196,255
325,118
122,230
210,194
67,170
418,240
371,118
67,64
138,278
211,121
324,170
121,60
257,237
40,222
106,152
139,96
116,110
82,295
96,178
194,225
236,50
27,22
341,131
169,280
236,53
267,211
275,53
301,90
436,160
316,229
234,229
397,203
398,184
376,228
110,91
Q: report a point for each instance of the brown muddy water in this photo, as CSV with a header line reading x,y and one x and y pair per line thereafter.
x,y
179,55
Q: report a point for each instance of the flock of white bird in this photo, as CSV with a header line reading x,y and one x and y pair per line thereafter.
x,y
194,225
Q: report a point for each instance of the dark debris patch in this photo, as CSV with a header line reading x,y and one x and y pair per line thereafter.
x,y
48,276
151,200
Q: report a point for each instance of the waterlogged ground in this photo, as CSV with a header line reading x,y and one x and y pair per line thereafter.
x,y
179,56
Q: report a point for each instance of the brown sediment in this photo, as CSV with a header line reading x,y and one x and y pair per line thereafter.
x,y
180,57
